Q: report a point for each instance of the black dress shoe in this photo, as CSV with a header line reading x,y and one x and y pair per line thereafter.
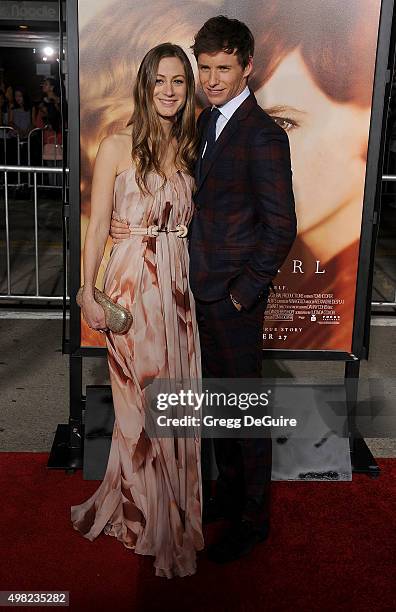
x,y
237,541
211,511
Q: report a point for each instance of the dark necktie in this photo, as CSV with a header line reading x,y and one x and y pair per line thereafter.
x,y
211,132
209,137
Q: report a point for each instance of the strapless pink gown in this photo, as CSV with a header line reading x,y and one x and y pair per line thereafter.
x,y
151,495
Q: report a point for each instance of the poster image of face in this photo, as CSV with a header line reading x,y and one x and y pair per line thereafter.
x,y
313,73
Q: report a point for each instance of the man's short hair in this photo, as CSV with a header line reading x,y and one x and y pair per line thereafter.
x,y
223,34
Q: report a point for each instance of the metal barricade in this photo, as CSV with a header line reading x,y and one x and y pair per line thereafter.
x,y
37,297
51,155
387,178
8,134
29,152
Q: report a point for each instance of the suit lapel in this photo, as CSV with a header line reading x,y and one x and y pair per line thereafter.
x,y
202,125
225,136
228,131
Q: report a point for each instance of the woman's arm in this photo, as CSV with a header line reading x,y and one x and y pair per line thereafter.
x,y
98,228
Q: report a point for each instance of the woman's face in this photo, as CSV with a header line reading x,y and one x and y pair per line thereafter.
x,y
18,98
328,141
170,90
46,87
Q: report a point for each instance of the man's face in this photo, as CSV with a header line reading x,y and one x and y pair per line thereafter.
x,y
222,76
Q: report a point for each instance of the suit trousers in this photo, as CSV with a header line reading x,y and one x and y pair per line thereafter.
x,y
231,347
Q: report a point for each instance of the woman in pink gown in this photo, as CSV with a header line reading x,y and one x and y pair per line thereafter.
x,y
151,495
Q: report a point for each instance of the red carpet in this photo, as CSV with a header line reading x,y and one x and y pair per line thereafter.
x,y
332,547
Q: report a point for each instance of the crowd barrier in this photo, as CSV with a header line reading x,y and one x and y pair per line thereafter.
x,y
387,178
33,172
39,147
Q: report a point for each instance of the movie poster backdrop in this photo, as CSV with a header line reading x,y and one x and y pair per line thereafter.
x,y
313,73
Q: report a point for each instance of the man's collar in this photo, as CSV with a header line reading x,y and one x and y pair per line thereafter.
x,y
230,107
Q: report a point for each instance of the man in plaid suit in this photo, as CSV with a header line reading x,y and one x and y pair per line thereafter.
x,y
243,227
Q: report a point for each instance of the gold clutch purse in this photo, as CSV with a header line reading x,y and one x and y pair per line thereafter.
x,y
118,319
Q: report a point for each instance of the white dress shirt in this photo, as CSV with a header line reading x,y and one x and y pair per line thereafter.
x,y
227,110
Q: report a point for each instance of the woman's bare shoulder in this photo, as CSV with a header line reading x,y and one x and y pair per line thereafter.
x,y
126,131
116,148
118,138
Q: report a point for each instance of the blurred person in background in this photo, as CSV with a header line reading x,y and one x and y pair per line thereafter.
x,y
52,140
3,108
20,119
6,88
51,92
20,113
3,133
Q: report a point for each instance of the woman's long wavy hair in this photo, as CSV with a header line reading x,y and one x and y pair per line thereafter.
x,y
148,138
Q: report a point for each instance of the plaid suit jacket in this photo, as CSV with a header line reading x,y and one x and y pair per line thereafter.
x,y
244,221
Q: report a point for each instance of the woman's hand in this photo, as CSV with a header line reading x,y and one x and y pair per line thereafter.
x,y
118,231
93,313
